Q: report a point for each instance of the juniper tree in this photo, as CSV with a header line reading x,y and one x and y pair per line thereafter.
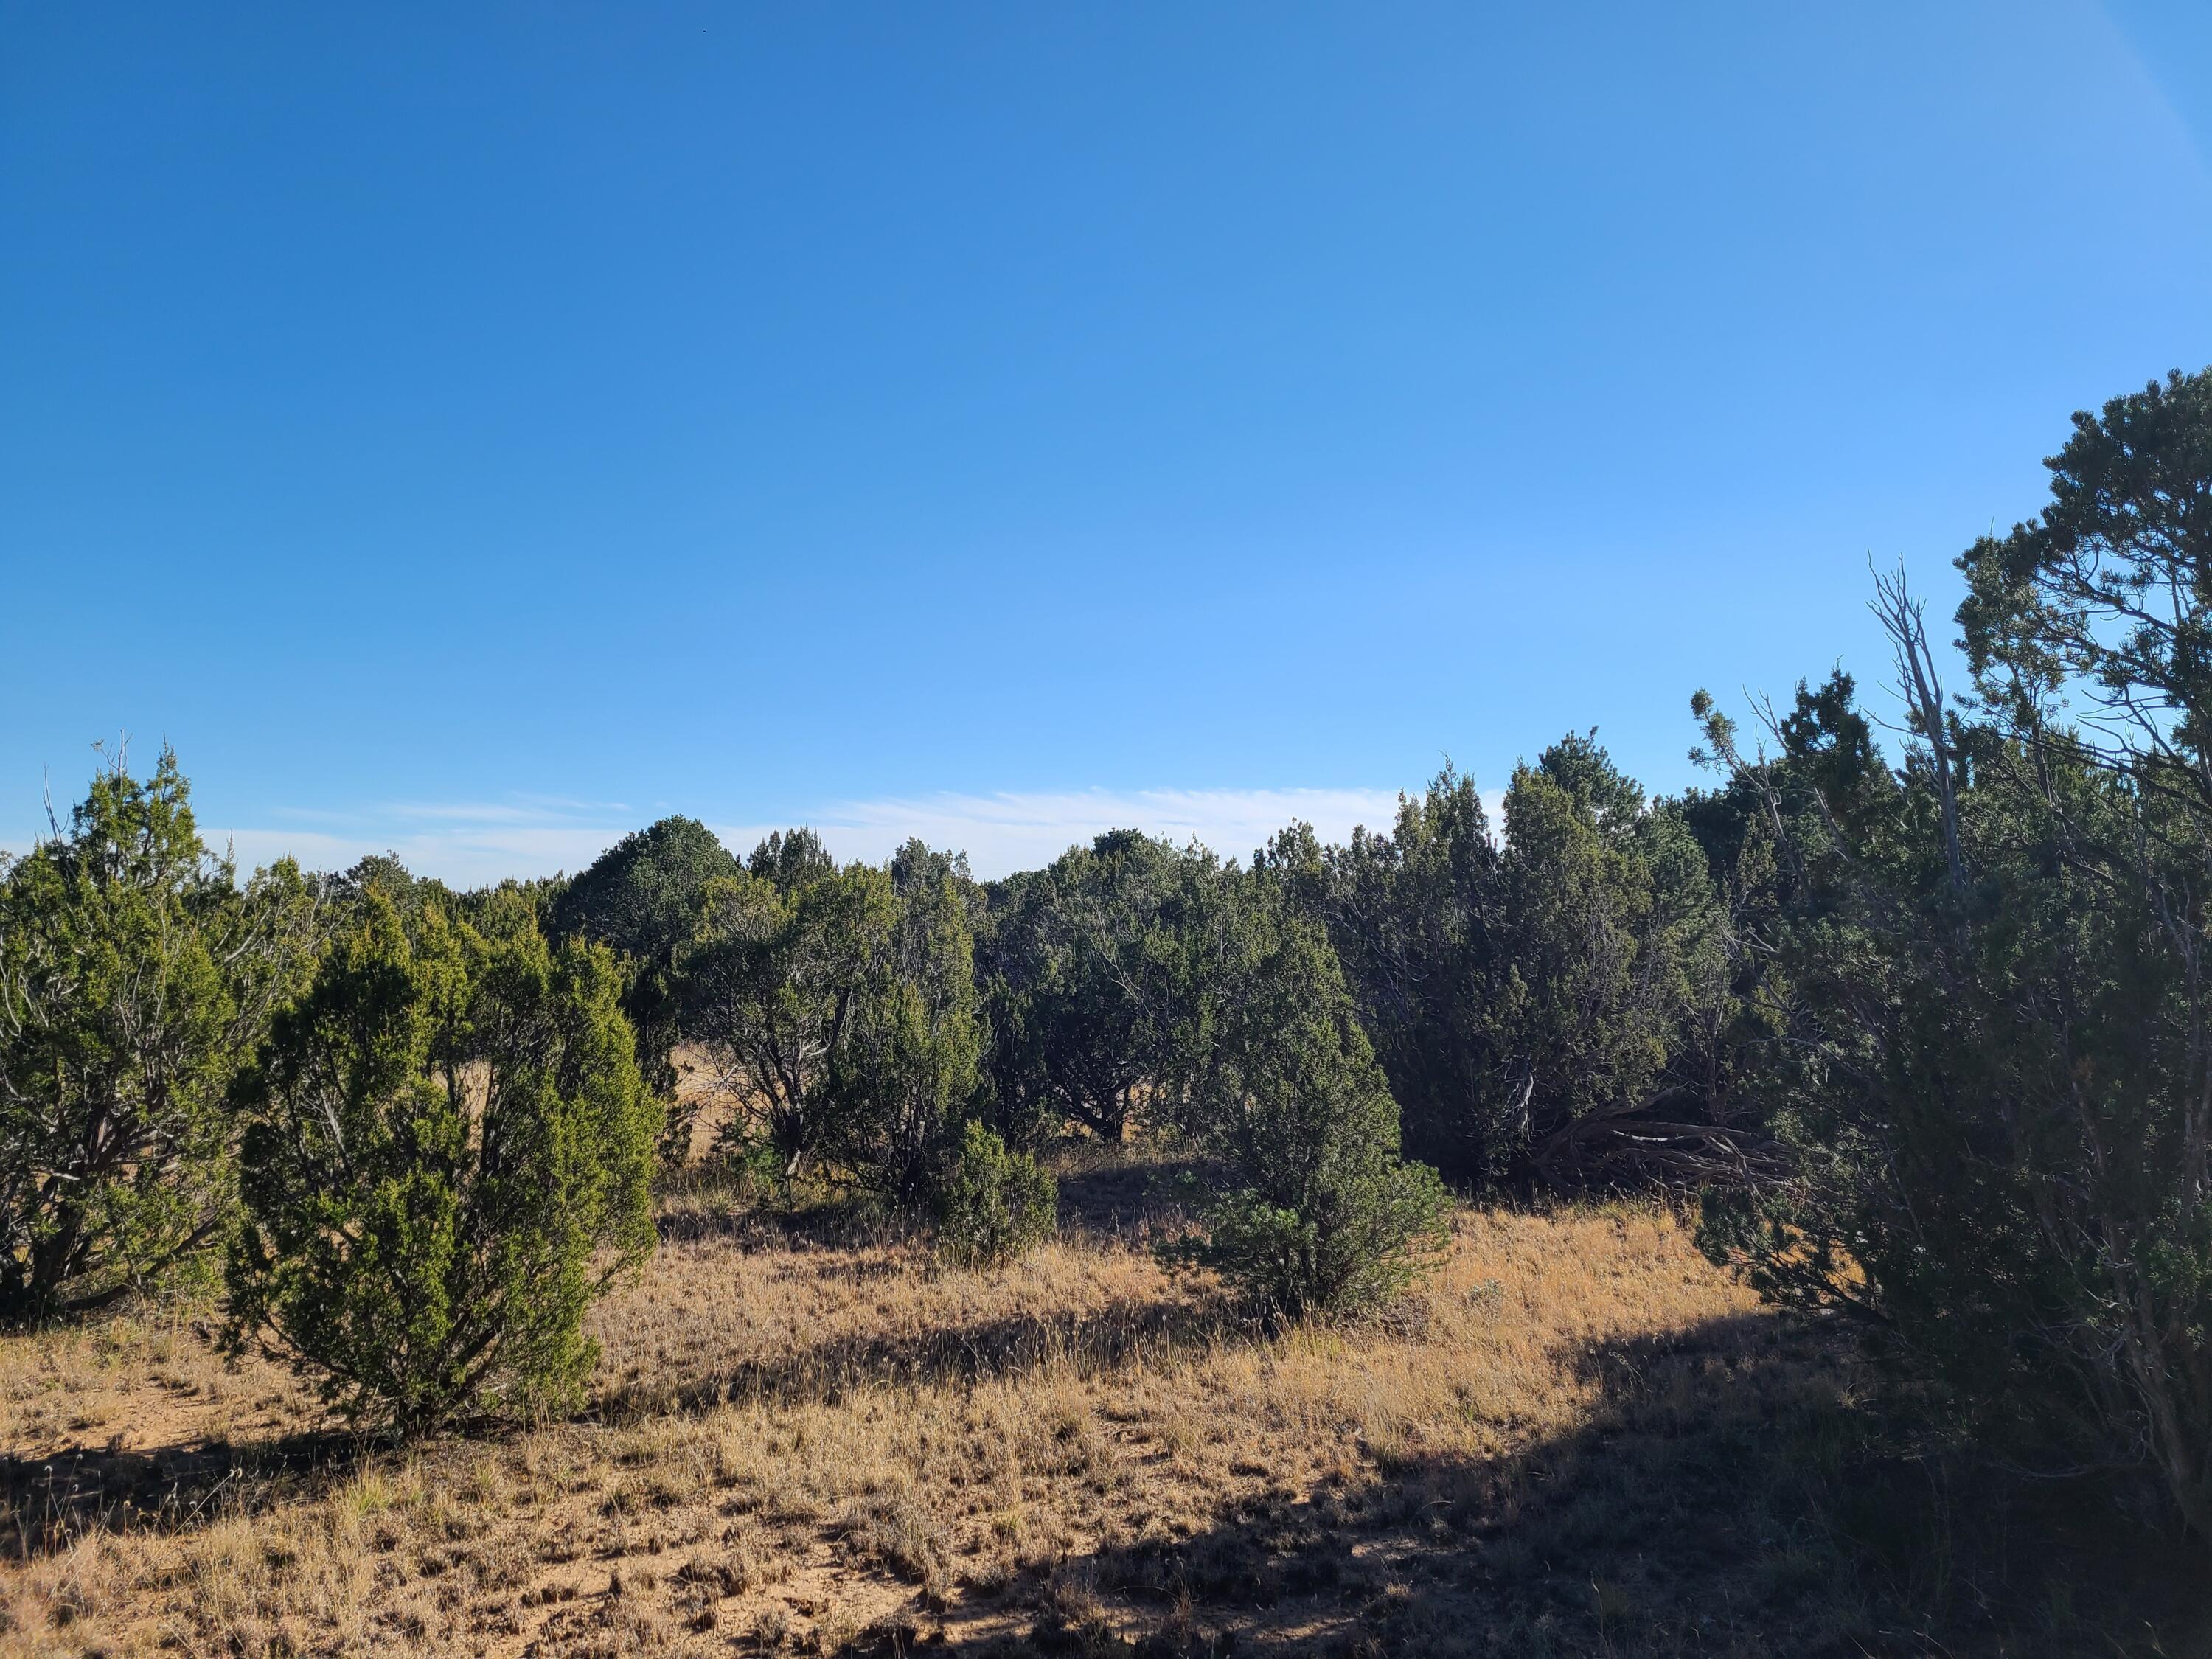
x,y
1308,1205
900,1083
1991,955
770,986
993,1205
790,858
1417,917
1552,1008
134,973
1074,972
643,898
448,1155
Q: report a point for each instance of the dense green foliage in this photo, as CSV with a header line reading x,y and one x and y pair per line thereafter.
x,y
1077,1000
1308,1206
1549,1009
782,956
448,1153
1986,967
907,1070
993,1205
642,899
133,974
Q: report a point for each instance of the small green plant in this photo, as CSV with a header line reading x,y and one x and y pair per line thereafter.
x,y
995,1205
448,1155
749,1170
1358,1236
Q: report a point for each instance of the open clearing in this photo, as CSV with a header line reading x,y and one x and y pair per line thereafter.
x,y
1577,1438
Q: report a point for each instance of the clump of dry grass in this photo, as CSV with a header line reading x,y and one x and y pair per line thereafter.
x,y
808,1439
130,1379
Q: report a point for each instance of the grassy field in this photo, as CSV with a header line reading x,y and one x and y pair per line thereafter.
x,y
807,1436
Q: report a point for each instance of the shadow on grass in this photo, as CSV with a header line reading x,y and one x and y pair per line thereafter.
x,y
1087,1340
1123,1194
48,1504
1730,1500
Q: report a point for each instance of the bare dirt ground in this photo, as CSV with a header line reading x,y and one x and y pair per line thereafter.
x,y
809,1437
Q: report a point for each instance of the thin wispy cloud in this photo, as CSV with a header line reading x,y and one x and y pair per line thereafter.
x,y
469,843
1005,832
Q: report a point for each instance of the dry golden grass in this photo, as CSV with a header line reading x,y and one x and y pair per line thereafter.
x,y
1578,1437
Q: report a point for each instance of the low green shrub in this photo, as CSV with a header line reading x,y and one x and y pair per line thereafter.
x,y
1356,1238
995,1205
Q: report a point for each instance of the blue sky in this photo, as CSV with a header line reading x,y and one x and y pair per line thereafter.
x,y
480,430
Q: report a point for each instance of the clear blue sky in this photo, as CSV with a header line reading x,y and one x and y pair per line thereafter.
x,y
481,429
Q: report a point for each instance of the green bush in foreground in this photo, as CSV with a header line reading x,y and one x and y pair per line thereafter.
x,y
447,1157
1996,1089
995,1205
134,969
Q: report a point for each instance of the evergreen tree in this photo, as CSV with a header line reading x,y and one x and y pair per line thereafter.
x,y
1990,959
1016,1101
788,859
133,974
1556,1009
784,955
900,1085
1075,988
993,1205
1417,917
448,1155
1309,1207
643,898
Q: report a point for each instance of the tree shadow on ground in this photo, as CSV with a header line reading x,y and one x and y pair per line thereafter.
x,y
48,1504
1122,1194
1731,1499
1089,1341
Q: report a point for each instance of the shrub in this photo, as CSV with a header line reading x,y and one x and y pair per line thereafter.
x,y
1357,1237
995,1205
132,971
1309,1208
444,1132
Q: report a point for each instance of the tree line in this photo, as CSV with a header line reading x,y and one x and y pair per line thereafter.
x,y
1926,1034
